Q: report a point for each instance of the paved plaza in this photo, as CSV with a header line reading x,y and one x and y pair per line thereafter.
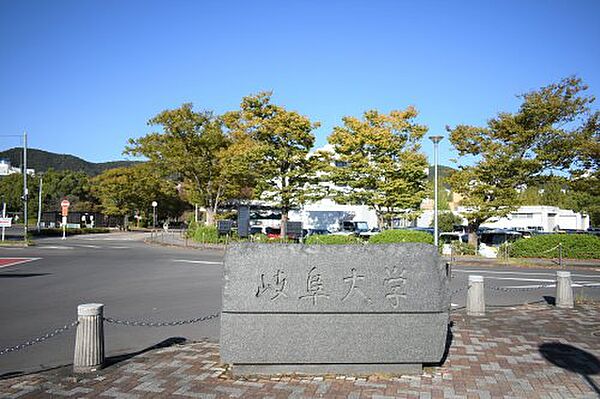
x,y
531,351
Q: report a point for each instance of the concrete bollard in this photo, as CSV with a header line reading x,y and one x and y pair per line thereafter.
x,y
564,290
89,340
475,296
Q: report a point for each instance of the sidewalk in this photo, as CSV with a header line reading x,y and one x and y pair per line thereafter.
x,y
534,351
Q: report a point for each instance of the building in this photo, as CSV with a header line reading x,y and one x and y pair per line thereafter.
x,y
7,169
541,218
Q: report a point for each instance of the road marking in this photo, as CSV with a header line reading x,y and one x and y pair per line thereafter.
x,y
54,247
6,262
522,273
118,247
89,246
204,262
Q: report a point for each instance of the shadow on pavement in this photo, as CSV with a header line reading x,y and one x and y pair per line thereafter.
x,y
572,359
22,275
110,361
550,300
449,338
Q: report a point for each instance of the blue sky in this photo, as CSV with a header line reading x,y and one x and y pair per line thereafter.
x,y
83,76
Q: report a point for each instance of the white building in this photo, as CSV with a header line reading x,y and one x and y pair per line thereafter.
x,y
541,218
327,214
7,169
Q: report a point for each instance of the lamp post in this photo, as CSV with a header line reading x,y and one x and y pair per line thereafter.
x,y
435,140
154,205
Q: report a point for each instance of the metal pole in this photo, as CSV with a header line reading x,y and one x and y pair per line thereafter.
x,y
3,215
39,221
153,218
435,140
435,200
25,186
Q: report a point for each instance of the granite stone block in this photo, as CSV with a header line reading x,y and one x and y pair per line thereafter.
x,y
333,304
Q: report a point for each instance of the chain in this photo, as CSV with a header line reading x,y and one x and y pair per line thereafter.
x,y
504,289
137,323
42,338
457,291
551,249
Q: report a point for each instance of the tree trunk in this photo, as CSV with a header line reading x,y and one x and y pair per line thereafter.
x,y
284,220
472,230
210,216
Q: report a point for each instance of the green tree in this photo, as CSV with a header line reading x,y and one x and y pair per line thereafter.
x,y
519,149
188,150
447,221
380,162
125,191
281,141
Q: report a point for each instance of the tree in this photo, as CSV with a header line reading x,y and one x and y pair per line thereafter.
x,y
446,221
280,141
517,150
125,191
188,150
380,162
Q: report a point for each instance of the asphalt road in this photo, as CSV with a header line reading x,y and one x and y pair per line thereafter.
x,y
137,281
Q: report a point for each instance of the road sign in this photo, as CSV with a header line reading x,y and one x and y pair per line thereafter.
x,y
5,222
65,207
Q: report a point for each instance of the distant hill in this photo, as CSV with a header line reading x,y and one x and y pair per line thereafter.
x,y
41,161
443,173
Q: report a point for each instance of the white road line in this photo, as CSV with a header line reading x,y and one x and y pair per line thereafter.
x,y
89,246
522,273
118,247
54,247
23,260
204,262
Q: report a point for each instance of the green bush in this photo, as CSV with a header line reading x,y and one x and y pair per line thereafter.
x,y
462,248
55,232
394,236
332,239
574,246
206,235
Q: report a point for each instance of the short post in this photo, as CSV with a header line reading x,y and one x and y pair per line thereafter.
x,y
475,296
560,254
89,340
564,290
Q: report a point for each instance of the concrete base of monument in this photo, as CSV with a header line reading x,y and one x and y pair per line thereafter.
x,y
247,370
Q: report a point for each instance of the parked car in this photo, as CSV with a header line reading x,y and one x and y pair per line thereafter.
x,y
315,232
357,228
447,239
490,241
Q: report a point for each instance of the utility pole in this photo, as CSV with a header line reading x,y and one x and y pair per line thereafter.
x,y
25,191
39,221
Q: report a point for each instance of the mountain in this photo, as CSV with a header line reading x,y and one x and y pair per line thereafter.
x,y
41,161
443,173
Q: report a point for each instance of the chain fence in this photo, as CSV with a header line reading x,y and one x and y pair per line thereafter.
x,y
39,339
142,323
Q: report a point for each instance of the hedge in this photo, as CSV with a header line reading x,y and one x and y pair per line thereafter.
x,y
574,246
393,236
59,232
332,239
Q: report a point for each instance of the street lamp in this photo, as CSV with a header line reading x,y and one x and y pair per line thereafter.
x,y
154,205
435,140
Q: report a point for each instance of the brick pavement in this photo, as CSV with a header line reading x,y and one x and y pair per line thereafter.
x,y
533,351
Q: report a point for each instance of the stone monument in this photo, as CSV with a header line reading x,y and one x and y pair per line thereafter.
x,y
345,309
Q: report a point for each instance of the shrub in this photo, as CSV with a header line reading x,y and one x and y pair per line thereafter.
x,y
333,239
206,235
574,246
462,248
394,236
55,232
